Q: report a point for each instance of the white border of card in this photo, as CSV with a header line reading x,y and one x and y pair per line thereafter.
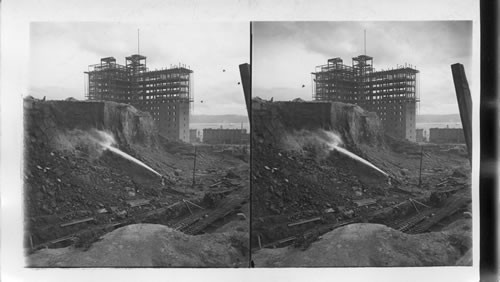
x,y
15,28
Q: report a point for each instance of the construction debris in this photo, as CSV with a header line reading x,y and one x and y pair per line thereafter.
x,y
302,188
138,202
77,221
365,202
304,221
78,189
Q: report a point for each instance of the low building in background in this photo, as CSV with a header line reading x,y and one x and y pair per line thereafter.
x,y
446,135
421,135
194,136
225,136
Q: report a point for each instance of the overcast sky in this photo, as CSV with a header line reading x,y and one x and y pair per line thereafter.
x,y
285,54
61,52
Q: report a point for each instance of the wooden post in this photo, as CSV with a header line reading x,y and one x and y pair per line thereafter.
x,y
194,166
464,103
420,174
246,81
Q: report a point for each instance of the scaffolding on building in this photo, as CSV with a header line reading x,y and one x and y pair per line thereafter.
x,y
157,92
392,94
362,67
333,81
108,80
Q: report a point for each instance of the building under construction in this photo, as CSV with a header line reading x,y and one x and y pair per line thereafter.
x,y
392,94
164,93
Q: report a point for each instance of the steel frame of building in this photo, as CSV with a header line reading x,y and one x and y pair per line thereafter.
x,y
392,94
163,92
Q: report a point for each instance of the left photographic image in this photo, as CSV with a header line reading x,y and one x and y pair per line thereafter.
x,y
136,145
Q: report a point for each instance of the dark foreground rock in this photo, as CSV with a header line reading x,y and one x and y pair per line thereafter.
x,y
149,245
375,245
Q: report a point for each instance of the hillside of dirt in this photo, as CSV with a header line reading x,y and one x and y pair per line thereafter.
x,y
81,180
318,166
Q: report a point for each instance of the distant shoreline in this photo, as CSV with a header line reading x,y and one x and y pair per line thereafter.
x,y
453,118
218,119
450,118
215,125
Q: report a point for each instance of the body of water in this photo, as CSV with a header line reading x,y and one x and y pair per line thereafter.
x,y
201,126
427,125
225,125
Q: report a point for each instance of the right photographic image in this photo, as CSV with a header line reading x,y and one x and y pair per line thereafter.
x,y
361,138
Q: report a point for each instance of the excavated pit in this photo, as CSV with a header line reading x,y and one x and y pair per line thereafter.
x,y
76,191
302,189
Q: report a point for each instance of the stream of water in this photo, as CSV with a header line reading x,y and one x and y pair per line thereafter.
x,y
107,140
356,157
129,157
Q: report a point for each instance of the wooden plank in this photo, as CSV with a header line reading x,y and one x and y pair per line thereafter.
x,y
215,184
59,240
226,207
464,103
321,230
399,189
304,221
138,202
173,205
77,221
451,207
189,202
245,74
442,183
287,240
365,202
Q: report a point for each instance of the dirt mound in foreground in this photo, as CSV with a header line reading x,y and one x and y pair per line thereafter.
x,y
149,245
380,246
